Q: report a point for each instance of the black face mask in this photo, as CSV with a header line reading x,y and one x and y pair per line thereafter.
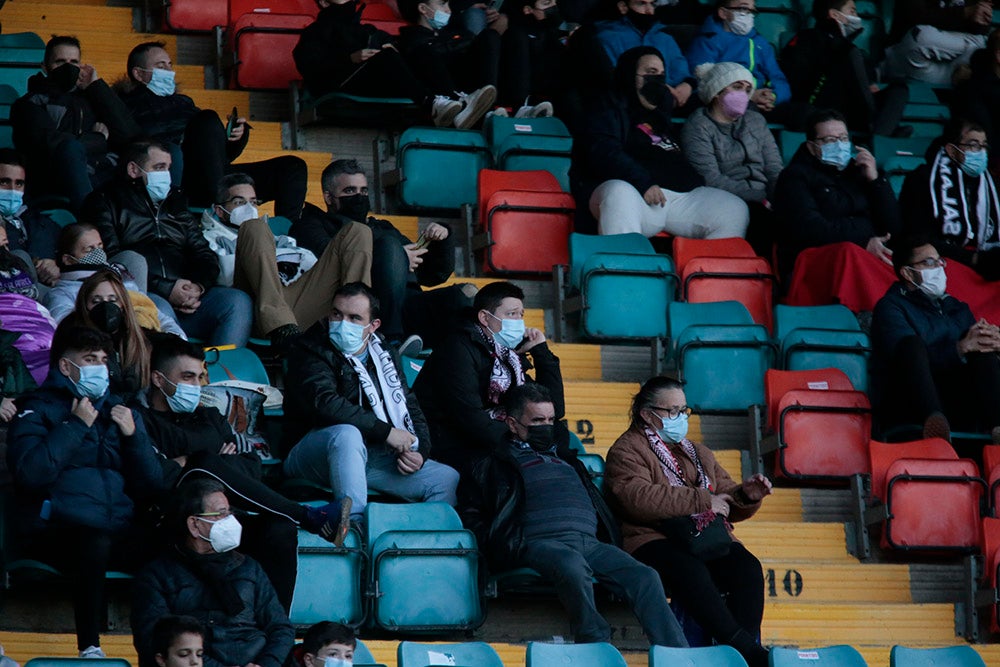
x,y
355,207
553,17
655,89
64,77
107,317
641,21
539,437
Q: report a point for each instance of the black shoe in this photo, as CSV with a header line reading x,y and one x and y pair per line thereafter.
x,y
282,337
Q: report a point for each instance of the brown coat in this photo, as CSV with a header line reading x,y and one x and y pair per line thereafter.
x,y
642,495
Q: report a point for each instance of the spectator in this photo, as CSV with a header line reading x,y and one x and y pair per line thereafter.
x,y
535,506
142,212
463,384
731,147
932,362
179,641
207,146
930,39
202,576
952,199
328,641
532,57
17,275
27,229
71,438
827,71
638,26
643,181
289,285
69,125
978,99
355,424
664,484
22,315
398,266
729,36
15,382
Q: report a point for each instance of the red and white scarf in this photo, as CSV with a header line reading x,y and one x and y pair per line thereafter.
x,y
506,371
675,474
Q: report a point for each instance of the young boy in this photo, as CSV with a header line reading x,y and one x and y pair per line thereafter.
x,y
327,644
179,641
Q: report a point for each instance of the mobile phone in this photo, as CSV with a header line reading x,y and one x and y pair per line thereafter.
x,y
231,123
422,242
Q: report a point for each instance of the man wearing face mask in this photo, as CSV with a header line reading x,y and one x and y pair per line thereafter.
x,y
290,287
203,576
70,438
140,211
351,421
535,506
28,229
932,362
69,125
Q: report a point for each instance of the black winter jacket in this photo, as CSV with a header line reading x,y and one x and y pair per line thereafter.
x,y
37,235
259,634
323,389
167,234
451,41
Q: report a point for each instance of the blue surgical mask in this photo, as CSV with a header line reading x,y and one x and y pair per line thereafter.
x,y
348,337
162,82
186,396
337,662
10,202
974,163
157,184
93,382
511,331
673,430
439,20
837,154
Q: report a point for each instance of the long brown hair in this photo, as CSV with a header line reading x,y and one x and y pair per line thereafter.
x,y
132,346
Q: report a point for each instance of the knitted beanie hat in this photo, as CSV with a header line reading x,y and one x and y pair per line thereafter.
x,y
714,77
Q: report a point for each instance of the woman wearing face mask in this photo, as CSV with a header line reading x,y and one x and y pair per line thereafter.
x,y
629,171
730,145
664,486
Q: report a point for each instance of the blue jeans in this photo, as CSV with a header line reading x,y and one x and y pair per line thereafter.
x,y
224,317
336,456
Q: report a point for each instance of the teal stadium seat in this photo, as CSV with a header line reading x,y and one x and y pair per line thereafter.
x,y
594,464
77,662
235,364
525,144
439,167
21,48
424,568
328,585
872,37
468,654
363,656
706,656
597,654
789,142
828,656
777,22
949,656
16,76
279,225
822,337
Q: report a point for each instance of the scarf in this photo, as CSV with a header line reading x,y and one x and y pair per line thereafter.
x,y
213,571
950,206
506,371
675,475
393,410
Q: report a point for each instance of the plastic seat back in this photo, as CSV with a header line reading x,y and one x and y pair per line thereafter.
x,y
833,316
429,156
21,48
597,654
777,27
382,16
263,44
823,435
724,366
528,232
777,383
705,656
194,15
279,225
804,349
77,662
17,77
684,314
531,143
883,455
948,656
491,181
328,583
827,656
991,471
363,655
480,654
238,8
239,363
743,279
594,463
626,296
789,142
686,249
582,246
991,560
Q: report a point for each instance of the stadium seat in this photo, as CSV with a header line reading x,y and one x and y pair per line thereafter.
x,y
705,656
822,337
426,155
17,77
789,143
948,656
594,464
382,16
328,584
424,568
886,147
686,249
194,15
724,366
828,656
21,48
620,286
480,654
363,656
745,279
525,220
523,144
235,364
262,44
683,315
991,471
777,383
77,662
279,225
991,561
597,654
776,22
871,40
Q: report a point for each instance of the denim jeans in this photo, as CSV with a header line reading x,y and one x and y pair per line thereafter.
x,y
336,456
224,317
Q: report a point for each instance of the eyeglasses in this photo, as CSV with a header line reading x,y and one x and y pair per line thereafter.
x,y
673,413
831,140
240,201
930,263
743,11
222,514
972,147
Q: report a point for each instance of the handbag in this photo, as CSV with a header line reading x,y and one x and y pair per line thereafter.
x,y
710,543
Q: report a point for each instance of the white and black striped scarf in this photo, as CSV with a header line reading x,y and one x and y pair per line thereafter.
x,y
951,207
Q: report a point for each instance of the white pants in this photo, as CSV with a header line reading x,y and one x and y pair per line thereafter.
x,y
931,55
703,213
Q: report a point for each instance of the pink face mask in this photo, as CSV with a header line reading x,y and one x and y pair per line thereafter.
x,y
735,102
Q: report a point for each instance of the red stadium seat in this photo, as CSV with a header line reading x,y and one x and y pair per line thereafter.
x,y
823,435
991,471
238,8
745,279
262,46
991,559
778,383
382,16
687,249
194,15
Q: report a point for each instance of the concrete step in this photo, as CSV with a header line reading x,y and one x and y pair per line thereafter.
x,y
773,540
798,624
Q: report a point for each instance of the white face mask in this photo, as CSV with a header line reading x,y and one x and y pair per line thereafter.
x,y
851,25
933,282
242,213
741,23
225,533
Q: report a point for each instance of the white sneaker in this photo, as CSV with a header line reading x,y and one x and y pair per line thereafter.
x,y
92,652
411,347
476,105
499,112
540,110
444,109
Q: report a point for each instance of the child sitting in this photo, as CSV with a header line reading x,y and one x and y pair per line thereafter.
x,y
327,644
179,641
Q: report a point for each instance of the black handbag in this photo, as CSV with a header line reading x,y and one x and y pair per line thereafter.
x,y
710,543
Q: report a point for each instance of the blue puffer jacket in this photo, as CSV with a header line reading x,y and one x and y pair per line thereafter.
x,y
620,35
87,473
715,44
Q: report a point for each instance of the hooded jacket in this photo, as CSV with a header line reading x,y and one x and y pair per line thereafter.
x,y
32,231
620,35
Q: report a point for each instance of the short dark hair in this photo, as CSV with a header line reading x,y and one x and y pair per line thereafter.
x,y
903,247
821,7
491,296
168,347
646,396
169,628
408,10
328,632
231,181
72,337
821,116
12,157
517,398
360,289
335,169
138,150
189,499
135,56
957,126
56,42
68,236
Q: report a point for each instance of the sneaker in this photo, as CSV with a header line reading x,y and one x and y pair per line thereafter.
x,y
92,652
541,110
476,105
411,347
331,521
499,112
443,110
936,426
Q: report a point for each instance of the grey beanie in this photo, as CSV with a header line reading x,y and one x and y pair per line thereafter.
x,y
714,77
